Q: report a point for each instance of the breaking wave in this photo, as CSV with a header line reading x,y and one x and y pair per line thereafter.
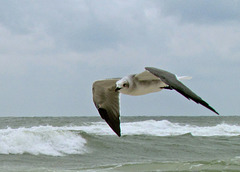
x,y
46,140
65,140
163,128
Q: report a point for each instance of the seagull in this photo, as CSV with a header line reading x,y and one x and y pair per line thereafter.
x,y
106,92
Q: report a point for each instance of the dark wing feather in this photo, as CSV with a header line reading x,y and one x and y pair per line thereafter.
x,y
106,101
171,80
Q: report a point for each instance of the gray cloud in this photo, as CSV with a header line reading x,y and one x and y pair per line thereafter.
x,y
204,12
52,51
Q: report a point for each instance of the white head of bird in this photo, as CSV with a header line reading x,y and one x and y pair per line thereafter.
x,y
124,84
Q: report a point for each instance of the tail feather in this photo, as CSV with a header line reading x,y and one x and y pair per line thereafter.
x,y
180,78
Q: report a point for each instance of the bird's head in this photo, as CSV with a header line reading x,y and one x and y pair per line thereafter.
x,y
122,84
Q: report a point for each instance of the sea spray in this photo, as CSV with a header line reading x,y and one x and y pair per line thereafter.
x,y
162,128
148,143
47,140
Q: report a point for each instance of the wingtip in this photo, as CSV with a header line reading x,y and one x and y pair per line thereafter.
x,y
117,131
210,108
119,134
213,110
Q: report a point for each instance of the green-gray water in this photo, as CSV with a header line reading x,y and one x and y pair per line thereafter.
x,y
70,144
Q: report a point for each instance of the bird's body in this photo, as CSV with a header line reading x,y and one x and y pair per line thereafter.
x,y
106,92
140,87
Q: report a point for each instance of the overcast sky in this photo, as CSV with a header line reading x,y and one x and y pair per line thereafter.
x,y
52,51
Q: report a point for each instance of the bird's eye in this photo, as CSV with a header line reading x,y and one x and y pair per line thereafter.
x,y
124,85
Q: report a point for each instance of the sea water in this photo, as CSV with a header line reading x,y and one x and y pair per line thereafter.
x,y
70,144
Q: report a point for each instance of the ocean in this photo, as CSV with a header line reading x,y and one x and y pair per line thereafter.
x,y
151,144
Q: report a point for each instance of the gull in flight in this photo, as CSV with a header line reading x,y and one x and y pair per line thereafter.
x,y
106,92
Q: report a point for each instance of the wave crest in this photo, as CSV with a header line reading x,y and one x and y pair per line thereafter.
x,y
60,141
163,128
47,140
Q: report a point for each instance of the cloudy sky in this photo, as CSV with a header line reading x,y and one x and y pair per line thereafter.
x,y
52,51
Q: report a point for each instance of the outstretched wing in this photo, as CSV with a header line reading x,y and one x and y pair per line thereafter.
x,y
146,75
173,83
106,101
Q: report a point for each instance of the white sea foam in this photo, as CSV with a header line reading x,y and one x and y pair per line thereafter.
x,y
163,128
60,141
166,128
47,140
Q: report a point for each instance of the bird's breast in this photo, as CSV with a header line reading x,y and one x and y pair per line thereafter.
x,y
145,87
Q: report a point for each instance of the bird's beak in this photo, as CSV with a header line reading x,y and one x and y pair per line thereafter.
x,y
117,89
